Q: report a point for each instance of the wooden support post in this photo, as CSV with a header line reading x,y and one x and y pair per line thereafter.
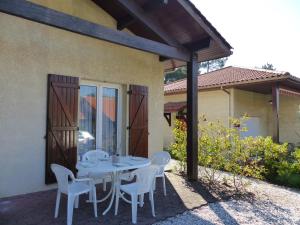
x,y
275,108
192,118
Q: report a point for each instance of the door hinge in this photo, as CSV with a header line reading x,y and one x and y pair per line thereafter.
x,y
129,92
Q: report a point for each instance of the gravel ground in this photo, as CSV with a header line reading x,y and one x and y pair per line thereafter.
x,y
238,212
272,205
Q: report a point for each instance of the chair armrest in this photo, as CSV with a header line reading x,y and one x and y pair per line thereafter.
x,y
83,179
96,175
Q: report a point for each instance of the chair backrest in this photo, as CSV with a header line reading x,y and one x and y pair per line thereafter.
x,y
62,175
145,178
95,155
161,158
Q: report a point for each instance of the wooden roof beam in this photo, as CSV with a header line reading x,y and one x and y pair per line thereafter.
x,y
193,46
50,17
209,30
198,45
148,7
150,22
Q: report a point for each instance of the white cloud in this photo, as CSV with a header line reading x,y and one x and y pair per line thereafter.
x,y
260,31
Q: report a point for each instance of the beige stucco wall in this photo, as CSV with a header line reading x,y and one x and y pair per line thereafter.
x,y
28,52
217,106
214,104
257,105
254,105
289,119
84,9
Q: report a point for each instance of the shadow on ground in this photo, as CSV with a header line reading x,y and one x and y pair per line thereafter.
x,y
38,208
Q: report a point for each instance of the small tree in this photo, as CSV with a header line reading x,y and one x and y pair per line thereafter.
x,y
214,143
268,66
177,74
213,65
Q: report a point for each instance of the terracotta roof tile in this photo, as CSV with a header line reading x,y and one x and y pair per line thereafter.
x,y
174,106
228,76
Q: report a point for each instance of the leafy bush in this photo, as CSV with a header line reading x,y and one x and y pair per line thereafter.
x,y
178,148
213,143
288,170
222,148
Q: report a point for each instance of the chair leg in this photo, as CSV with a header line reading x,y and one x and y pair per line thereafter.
x,y
71,199
164,184
76,205
57,204
104,184
154,184
90,196
117,200
141,200
152,202
95,201
134,208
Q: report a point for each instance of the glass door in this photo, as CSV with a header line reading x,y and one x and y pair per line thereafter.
x,y
100,118
109,127
87,119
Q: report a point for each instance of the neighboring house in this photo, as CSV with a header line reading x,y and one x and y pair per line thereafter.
x,y
97,66
235,91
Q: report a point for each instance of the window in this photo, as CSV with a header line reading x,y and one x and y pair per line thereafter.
x,y
109,118
99,118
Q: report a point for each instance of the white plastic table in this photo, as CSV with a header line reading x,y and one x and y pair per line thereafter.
x,y
125,163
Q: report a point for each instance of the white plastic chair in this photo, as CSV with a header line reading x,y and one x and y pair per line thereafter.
x,y
161,159
94,156
143,184
72,189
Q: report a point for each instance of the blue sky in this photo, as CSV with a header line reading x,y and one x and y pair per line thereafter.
x,y
260,31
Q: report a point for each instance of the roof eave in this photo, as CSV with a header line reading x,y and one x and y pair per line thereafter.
x,y
235,84
206,25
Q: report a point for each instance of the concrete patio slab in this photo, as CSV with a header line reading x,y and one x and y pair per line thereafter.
x,y
38,208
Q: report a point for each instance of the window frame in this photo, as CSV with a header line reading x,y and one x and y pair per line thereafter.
x,y
99,90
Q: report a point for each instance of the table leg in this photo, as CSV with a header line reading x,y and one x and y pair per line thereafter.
x,y
114,183
104,198
125,199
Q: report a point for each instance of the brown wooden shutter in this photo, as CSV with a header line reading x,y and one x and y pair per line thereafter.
x,y
138,120
62,109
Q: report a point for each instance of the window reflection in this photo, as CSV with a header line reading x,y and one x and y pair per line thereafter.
x,y
109,119
87,119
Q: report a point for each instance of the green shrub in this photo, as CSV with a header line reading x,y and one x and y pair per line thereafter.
x,y
288,170
178,148
243,160
222,148
213,143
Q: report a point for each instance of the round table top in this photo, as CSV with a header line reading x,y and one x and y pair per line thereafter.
x,y
106,166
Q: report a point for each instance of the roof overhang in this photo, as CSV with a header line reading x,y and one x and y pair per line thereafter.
x,y
287,84
174,30
265,86
289,92
171,107
177,23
